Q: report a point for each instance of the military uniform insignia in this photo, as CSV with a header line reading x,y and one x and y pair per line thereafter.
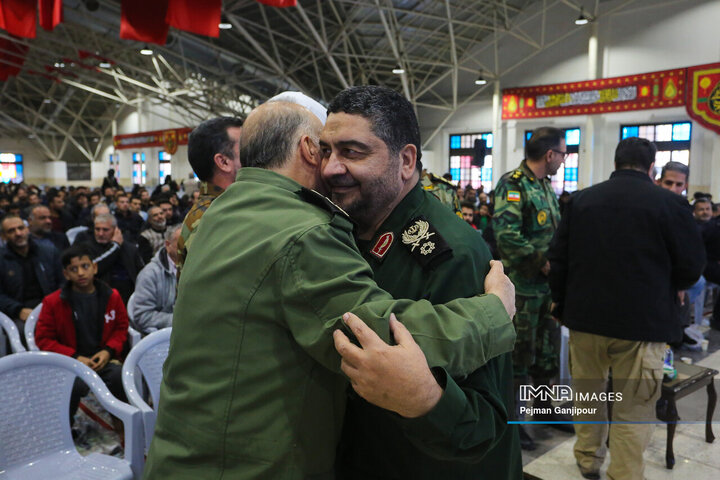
x,y
383,244
416,233
424,242
427,248
513,196
541,217
517,175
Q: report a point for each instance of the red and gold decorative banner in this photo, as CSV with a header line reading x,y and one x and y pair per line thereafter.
x,y
169,139
703,95
618,94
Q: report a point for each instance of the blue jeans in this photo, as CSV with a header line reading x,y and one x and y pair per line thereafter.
x,y
696,296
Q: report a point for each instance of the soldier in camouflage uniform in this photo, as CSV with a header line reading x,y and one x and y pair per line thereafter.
x,y
527,214
213,152
443,190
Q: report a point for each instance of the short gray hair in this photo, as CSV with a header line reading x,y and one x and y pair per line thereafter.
x,y
269,141
106,218
98,205
170,231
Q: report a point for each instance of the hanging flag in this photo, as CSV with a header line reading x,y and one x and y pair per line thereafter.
x,y
17,17
50,13
12,57
703,95
279,3
196,16
144,21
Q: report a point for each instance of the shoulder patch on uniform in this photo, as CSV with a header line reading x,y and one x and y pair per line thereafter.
x,y
426,245
435,179
517,174
317,198
513,196
383,244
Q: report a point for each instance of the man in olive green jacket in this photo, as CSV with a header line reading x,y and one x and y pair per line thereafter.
x,y
252,385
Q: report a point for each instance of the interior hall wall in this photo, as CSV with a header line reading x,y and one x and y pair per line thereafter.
x,y
673,35
150,116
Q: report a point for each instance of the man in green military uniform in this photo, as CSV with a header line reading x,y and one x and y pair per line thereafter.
x,y
417,249
213,152
252,385
443,190
526,217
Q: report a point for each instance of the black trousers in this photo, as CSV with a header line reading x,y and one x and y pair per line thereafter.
x,y
111,375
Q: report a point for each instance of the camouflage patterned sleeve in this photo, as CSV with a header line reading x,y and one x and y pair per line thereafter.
x,y
514,248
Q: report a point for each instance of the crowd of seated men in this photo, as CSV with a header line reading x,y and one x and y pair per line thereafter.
x,y
124,232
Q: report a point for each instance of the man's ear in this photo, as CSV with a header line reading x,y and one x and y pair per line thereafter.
x,y
222,162
309,150
408,161
651,171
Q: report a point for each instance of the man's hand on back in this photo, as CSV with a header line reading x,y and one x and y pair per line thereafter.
x,y
497,283
396,377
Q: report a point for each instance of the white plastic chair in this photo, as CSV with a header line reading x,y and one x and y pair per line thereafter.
x,y
73,232
30,324
35,437
130,305
11,331
147,357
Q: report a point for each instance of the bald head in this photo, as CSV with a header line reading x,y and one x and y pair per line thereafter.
x,y
273,131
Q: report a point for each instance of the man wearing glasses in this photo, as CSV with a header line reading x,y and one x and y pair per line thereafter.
x,y
526,217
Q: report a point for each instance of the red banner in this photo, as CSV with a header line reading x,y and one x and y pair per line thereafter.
x,y
169,139
50,13
12,58
17,17
279,3
144,21
606,95
703,95
196,16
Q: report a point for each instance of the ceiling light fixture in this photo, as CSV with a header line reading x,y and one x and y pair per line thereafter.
x,y
398,70
582,19
47,100
105,65
224,26
146,51
480,81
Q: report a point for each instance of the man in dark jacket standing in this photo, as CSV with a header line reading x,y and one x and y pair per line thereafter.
x,y
623,249
29,270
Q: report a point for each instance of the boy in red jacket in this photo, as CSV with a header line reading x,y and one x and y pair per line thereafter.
x,y
87,320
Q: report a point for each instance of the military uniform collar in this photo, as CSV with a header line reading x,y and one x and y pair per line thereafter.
x,y
210,189
407,208
269,177
528,172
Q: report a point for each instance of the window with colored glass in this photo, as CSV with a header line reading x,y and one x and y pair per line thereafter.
x,y
671,139
462,151
164,166
11,168
139,175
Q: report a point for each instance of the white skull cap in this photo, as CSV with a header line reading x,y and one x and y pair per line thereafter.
x,y
301,99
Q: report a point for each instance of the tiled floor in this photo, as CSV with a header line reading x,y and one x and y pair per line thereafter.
x,y
695,459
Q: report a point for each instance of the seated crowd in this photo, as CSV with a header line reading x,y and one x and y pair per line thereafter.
x,y
82,254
